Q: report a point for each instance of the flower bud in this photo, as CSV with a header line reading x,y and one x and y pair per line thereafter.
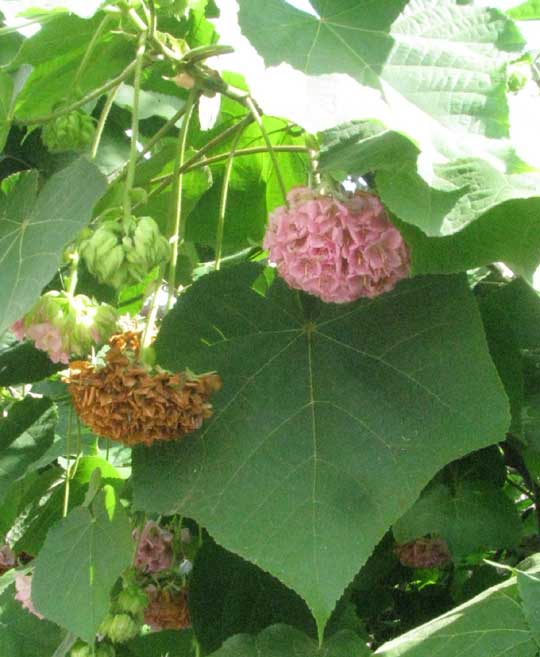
x,y
72,131
132,600
121,628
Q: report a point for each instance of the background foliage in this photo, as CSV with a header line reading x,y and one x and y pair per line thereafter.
x,y
348,440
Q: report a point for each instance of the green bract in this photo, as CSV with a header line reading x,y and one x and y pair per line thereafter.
x,y
73,131
120,255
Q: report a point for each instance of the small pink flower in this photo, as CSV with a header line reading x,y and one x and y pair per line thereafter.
x,y
18,330
7,559
23,584
47,337
338,251
154,548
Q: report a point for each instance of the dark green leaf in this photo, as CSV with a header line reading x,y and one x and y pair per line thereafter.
x,y
169,642
284,641
21,362
34,228
228,595
21,633
25,434
326,410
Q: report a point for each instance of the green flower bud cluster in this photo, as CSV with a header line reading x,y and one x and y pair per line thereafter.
x,y
81,649
120,255
127,615
72,131
120,628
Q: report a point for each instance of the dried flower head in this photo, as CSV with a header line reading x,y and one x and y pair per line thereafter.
x,y
167,610
154,548
126,402
424,553
338,251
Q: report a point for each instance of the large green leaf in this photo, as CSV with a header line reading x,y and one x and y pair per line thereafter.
x,y
23,634
439,66
34,228
81,559
25,434
228,595
509,232
331,420
472,516
284,641
490,625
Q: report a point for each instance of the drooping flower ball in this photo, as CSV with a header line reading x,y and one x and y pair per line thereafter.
x,y
168,610
336,250
154,548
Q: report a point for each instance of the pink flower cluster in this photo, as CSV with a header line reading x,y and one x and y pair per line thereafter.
x,y
45,336
154,548
23,584
338,251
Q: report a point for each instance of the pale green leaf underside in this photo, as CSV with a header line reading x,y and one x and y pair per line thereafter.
x,y
439,66
81,559
331,420
34,231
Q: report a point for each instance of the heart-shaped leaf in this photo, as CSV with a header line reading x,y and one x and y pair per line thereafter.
x,y
331,420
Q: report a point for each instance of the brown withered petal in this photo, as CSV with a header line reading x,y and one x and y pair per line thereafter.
x,y
424,553
125,402
167,610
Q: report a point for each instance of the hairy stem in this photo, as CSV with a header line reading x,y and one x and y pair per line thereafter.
x,y
102,120
223,200
68,463
176,227
130,175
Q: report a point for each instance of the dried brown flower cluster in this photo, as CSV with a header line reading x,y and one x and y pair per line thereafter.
x,y
167,610
126,402
424,553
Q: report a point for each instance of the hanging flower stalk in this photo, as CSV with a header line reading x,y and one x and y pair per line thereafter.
x,y
127,401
